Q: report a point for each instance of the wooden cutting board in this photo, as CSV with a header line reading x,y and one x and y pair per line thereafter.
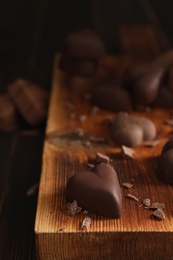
x,y
137,235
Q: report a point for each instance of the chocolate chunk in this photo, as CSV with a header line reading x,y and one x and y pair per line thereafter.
x,y
97,191
30,100
159,214
165,168
84,45
80,67
114,98
132,131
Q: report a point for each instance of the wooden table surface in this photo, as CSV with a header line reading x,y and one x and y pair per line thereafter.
x,y
21,155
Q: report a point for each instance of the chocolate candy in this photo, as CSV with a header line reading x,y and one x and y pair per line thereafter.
x,y
81,67
164,98
30,100
83,45
8,117
146,87
132,131
165,169
114,98
97,191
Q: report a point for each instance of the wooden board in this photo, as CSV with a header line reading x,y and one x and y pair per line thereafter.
x,y
137,234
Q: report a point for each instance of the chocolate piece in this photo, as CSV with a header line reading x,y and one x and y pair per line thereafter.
x,y
8,116
164,98
165,168
167,146
159,214
113,98
127,185
31,101
132,131
146,87
97,191
80,67
132,73
83,45
132,197
86,223
128,151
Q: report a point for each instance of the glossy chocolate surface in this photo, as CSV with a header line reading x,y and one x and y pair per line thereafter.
x,y
97,191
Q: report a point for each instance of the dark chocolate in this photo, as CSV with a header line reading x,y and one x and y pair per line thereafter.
x,y
114,98
164,98
97,191
132,131
80,67
83,45
165,169
167,146
146,87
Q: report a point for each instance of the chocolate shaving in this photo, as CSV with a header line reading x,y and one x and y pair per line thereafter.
x,y
146,202
127,185
90,165
102,158
130,196
86,223
151,143
157,205
128,151
73,208
159,214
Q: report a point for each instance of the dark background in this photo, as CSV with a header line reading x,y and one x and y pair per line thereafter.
x,y
31,31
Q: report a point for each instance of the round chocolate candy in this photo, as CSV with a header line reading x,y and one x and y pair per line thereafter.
x,y
83,45
165,170
114,98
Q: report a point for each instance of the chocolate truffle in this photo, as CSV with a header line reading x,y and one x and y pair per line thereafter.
x,y
132,131
84,44
114,98
165,170
97,191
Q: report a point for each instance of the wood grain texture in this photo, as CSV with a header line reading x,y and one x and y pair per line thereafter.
x,y
137,234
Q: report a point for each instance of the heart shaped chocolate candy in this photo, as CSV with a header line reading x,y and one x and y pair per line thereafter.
x,y
132,130
97,191
165,169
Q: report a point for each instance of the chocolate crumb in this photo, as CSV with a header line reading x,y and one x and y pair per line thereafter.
x,y
127,185
87,144
146,203
82,118
128,151
62,229
130,196
159,214
86,223
94,110
73,208
85,212
102,158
